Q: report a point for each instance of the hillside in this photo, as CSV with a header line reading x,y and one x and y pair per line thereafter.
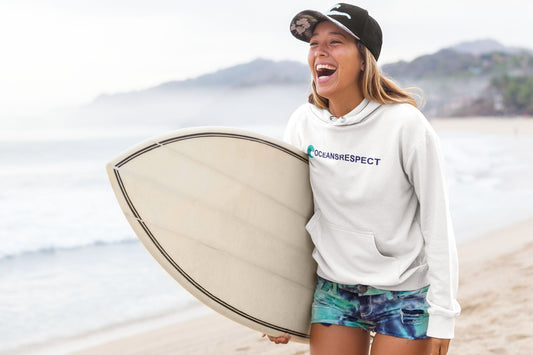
x,y
257,72
458,83
260,72
472,78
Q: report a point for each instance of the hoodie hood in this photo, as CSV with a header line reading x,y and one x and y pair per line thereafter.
x,y
357,115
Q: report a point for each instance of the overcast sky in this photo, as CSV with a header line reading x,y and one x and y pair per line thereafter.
x,y
56,53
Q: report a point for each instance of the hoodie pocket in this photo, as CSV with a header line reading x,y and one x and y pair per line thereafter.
x,y
350,250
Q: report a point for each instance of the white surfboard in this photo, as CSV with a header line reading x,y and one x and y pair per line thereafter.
x,y
224,212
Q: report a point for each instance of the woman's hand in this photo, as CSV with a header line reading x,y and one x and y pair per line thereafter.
x,y
439,346
284,339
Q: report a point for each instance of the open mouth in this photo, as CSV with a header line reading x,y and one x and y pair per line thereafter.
x,y
324,70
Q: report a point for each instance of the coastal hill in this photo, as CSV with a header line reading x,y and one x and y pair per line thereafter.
x,y
478,78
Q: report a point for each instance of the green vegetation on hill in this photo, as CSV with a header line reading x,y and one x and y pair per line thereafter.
x,y
516,93
464,84
448,62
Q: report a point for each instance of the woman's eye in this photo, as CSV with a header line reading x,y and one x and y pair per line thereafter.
x,y
312,44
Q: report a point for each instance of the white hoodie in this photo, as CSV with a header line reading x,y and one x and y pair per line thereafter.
x,y
381,209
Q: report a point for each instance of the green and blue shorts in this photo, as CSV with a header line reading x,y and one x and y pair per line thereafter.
x,y
397,313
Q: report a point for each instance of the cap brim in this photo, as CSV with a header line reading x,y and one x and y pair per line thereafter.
x,y
304,23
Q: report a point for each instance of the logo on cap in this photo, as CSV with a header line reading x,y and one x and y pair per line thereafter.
x,y
339,13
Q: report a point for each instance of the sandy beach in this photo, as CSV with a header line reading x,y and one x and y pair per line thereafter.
x,y
496,293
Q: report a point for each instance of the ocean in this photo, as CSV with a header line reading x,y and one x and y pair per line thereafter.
x,y
70,264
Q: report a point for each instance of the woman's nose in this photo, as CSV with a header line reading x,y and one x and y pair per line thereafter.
x,y
321,51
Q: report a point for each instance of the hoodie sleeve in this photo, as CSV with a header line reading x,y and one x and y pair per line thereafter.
x,y
424,168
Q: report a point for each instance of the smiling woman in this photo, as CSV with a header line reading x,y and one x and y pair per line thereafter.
x,y
336,64
382,233
339,50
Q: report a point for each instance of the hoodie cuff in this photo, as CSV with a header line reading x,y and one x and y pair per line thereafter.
x,y
441,327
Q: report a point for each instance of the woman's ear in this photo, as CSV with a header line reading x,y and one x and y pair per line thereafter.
x,y
363,66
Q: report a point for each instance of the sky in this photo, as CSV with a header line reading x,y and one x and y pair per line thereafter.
x,y
63,53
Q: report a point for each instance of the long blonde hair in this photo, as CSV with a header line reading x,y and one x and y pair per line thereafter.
x,y
374,85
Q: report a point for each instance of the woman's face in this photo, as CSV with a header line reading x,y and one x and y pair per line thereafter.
x,y
335,62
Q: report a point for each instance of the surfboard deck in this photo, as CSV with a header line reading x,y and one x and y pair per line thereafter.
x,y
224,211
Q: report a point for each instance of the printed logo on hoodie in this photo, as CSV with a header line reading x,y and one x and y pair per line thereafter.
x,y
349,158
310,151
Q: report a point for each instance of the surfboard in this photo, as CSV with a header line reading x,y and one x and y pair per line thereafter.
x,y
224,211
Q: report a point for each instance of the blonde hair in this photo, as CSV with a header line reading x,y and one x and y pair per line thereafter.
x,y
374,85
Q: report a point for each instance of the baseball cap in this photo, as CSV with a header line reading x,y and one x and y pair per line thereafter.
x,y
353,19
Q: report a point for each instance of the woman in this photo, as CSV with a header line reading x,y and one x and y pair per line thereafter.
x,y
384,243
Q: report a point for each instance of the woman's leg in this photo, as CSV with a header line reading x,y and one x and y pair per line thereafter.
x,y
338,340
389,345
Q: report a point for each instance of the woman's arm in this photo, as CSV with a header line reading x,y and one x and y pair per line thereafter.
x,y
424,168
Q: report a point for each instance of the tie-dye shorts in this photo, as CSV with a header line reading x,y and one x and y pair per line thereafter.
x,y
398,313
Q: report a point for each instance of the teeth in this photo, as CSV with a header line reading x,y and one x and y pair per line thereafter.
x,y
325,70
325,66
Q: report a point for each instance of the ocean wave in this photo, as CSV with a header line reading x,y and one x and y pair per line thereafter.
x,y
51,249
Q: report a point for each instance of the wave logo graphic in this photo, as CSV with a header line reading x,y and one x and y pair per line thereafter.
x,y
338,13
310,151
